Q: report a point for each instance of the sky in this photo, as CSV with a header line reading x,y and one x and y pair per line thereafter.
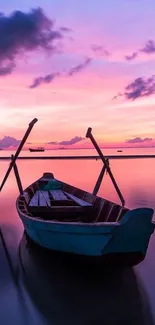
x,y
77,64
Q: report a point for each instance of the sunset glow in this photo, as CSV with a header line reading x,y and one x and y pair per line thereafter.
x,y
99,49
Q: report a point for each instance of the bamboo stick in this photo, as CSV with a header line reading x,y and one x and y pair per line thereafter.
x,y
31,124
90,136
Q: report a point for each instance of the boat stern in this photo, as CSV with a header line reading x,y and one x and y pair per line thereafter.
x,y
134,232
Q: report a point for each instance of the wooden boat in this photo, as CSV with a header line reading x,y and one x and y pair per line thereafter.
x,y
119,150
36,149
60,217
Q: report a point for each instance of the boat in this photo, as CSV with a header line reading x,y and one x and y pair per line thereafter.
x,y
60,217
36,149
119,150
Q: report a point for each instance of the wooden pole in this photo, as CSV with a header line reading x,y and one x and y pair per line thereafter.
x,y
31,124
90,136
98,183
19,183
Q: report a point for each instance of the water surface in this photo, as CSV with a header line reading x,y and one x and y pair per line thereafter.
x,y
51,290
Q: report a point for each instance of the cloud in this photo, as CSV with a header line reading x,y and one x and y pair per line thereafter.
x,y
140,87
72,141
79,67
7,69
25,32
9,142
99,49
132,56
139,140
50,77
66,29
41,80
67,142
52,142
149,47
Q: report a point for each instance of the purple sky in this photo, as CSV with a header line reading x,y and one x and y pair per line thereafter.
x,y
99,74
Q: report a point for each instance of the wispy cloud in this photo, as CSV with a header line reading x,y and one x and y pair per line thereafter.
x,y
149,47
50,77
132,56
66,29
140,87
74,140
42,80
79,67
99,49
52,142
139,140
22,32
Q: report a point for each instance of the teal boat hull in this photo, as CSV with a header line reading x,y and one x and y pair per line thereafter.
x,y
123,242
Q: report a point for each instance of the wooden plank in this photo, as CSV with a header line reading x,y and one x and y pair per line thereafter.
x,y
42,200
58,195
46,196
77,200
34,201
27,197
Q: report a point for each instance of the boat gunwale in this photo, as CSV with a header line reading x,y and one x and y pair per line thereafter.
x,y
93,224
79,223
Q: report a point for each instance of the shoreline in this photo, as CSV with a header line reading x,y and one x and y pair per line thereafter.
x,y
80,157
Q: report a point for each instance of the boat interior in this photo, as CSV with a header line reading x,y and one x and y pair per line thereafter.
x,y
63,202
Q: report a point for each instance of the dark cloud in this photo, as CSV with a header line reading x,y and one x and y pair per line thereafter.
x,y
132,56
140,87
139,140
9,142
42,80
79,67
149,47
24,32
50,77
99,49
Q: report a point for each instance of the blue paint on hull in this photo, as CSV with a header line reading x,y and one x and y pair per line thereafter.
x,y
132,234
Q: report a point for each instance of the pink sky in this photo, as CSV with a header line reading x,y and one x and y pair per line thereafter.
x,y
67,106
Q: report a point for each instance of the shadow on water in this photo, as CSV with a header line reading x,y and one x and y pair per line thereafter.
x,y
66,292
8,254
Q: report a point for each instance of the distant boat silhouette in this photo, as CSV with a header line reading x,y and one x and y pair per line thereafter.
x,y
119,150
37,149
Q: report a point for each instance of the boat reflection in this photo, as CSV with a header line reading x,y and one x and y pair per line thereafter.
x,y
66,292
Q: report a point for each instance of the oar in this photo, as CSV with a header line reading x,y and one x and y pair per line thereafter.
x,y
90,136
31,124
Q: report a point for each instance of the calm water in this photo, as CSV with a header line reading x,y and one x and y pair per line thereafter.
x,y
51,290
80,152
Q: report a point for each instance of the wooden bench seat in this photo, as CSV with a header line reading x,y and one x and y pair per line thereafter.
x,y
58,195
77,200
45,195
34,202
